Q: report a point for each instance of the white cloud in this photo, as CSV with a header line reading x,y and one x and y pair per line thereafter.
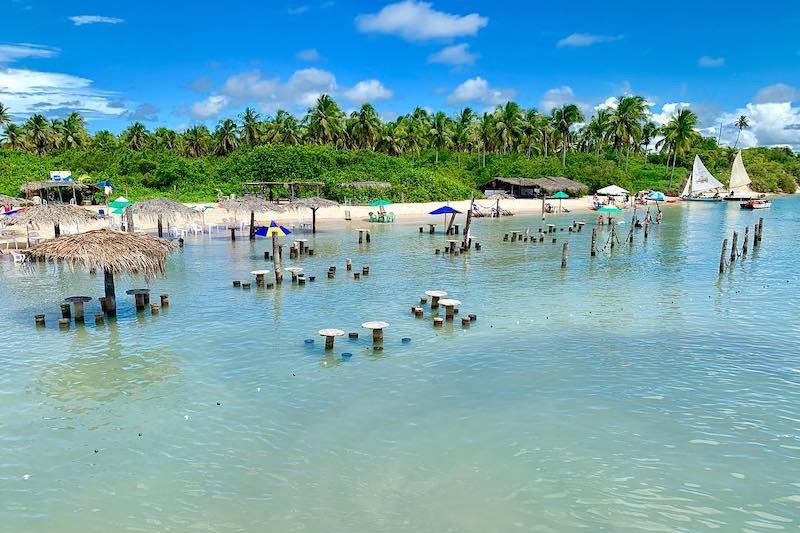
x,y
368,91
301,89
456,55
556,97
81,20
609,103
309,54
418,21
14,52
299,10
586,39
668,111
771,124
710,62
779,92
210,107
479,90
26,92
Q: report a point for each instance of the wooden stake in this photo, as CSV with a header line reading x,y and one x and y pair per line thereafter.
x,y
722,256
733,246
746,238
594,242
564,254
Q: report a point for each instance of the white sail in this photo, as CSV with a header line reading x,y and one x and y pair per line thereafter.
x,y
687,188
702,180
739,178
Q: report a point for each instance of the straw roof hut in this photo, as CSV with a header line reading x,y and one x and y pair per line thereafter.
x,y
162,209
312,203
114,252
13,201
254,204
55,214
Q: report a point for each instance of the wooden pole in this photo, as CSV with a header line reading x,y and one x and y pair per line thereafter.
x,y
722,256
564,254
760,229
613,233
746,238
276,260
57,230
594,242
733,246
646,228
111,296
160,227
467,244
252,225
129,218
450,225
313,220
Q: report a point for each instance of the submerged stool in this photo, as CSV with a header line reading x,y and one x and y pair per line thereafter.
x,y
330,334
449,308
141,297
377,328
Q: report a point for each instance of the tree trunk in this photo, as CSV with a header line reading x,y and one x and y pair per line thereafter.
x,y
564,152
252,226
313,221
111,296
545,145
276,260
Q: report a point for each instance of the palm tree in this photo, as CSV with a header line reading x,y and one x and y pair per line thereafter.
x,y
530,130
166,139
441,132
741,123
598,130
463,122
626,124
649,131
563,118
105,140
365,127
37,132
508,126
136,136
196,141
284,129
325,122
227,137
679,135
73,131
5,115
251,128
393,138
13,137
483,136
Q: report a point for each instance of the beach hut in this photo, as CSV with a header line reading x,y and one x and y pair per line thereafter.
x,y
162,209
59,191
313,204
55,214
12,201
254,204
113,252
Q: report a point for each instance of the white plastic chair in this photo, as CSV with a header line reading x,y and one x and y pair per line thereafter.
x,y
18,256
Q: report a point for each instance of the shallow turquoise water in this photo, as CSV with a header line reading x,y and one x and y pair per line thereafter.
x,y
637,391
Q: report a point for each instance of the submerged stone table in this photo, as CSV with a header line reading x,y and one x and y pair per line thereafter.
x,y
259,274
449,307
77,306
435,295
141,297
294,271
377,328
330,334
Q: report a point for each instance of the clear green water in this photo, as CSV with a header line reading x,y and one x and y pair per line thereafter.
x,y
635,392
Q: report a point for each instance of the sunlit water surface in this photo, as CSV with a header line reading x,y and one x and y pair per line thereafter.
x,y
638,391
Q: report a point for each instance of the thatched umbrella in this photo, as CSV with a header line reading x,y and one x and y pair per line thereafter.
x,y
162,209
115,252
13,201
55,214
313,203
254,204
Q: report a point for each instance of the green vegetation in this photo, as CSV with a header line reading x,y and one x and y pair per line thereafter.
x,y
424,156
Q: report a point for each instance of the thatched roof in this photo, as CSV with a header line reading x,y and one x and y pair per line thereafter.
x,y
53,214
368,185
14,201
549,184
250,202
104,249
314,202
168,210
33,186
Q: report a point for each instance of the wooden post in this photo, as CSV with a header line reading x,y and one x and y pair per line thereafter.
x,y
39,320
111,297
160,227
56,230
129,218
646,228
594,242
368,237
733,246
760,229
564,254
633,225
139,299
349,264
746,238
314,220
467,241
99,318
276,260
65,311
360,236
722,256
252,226
613,233
233,233
79,311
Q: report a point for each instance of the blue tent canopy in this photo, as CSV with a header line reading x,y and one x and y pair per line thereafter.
x,y
445,210
104,183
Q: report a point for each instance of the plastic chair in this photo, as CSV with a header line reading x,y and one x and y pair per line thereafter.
x,y
18,257
372,217
390,217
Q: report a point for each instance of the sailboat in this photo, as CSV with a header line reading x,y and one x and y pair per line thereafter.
x,y
739,186
701,181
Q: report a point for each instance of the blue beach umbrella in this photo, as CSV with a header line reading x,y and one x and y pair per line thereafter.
x,y
273,230
656,196
446,210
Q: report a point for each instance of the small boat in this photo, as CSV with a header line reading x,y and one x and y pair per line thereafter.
x,y
756,204
739,186
700,183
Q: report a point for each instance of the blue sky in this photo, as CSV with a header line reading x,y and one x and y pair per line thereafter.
x,y
181,63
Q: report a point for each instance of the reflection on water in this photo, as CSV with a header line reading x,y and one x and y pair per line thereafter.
x,y
636,391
